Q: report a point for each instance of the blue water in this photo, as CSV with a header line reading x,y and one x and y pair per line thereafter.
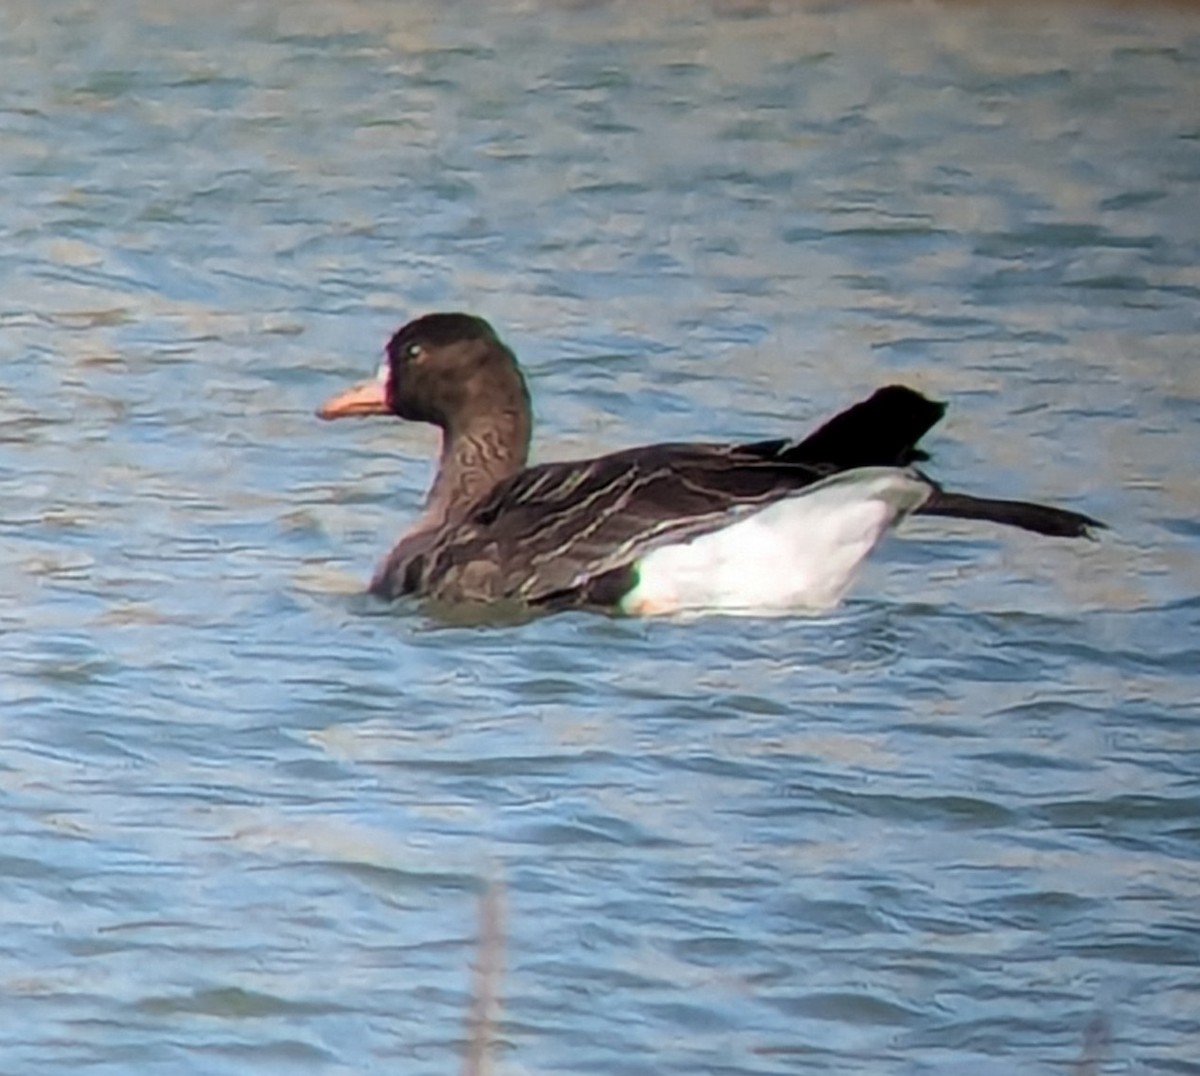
x,y
247,815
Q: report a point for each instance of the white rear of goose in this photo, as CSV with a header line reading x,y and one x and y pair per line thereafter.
x,y
798,553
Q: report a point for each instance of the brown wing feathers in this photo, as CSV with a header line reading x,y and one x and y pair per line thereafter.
x,y
556,525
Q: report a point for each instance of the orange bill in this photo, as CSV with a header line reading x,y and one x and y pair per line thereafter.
x,y
366,398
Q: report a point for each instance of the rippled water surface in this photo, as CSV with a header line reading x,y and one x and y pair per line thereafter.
x,y
247,815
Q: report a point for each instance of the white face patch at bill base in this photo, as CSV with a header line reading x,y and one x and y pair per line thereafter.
x,y
800,553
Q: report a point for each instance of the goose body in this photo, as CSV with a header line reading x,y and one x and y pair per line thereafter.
x,y
765,526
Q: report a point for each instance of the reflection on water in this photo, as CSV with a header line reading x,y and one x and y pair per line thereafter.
x,y
247,814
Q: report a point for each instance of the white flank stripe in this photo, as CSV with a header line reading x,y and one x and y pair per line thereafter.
x,y
800,553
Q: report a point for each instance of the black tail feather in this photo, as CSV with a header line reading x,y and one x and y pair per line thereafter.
x,y
880,431
1040,518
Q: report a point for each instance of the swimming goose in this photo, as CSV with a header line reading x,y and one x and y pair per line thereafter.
x,y
767,526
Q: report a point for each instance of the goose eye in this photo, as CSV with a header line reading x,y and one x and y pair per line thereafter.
x,y
413,351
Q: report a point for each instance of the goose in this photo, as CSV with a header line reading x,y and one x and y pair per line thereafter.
x,y
767,526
